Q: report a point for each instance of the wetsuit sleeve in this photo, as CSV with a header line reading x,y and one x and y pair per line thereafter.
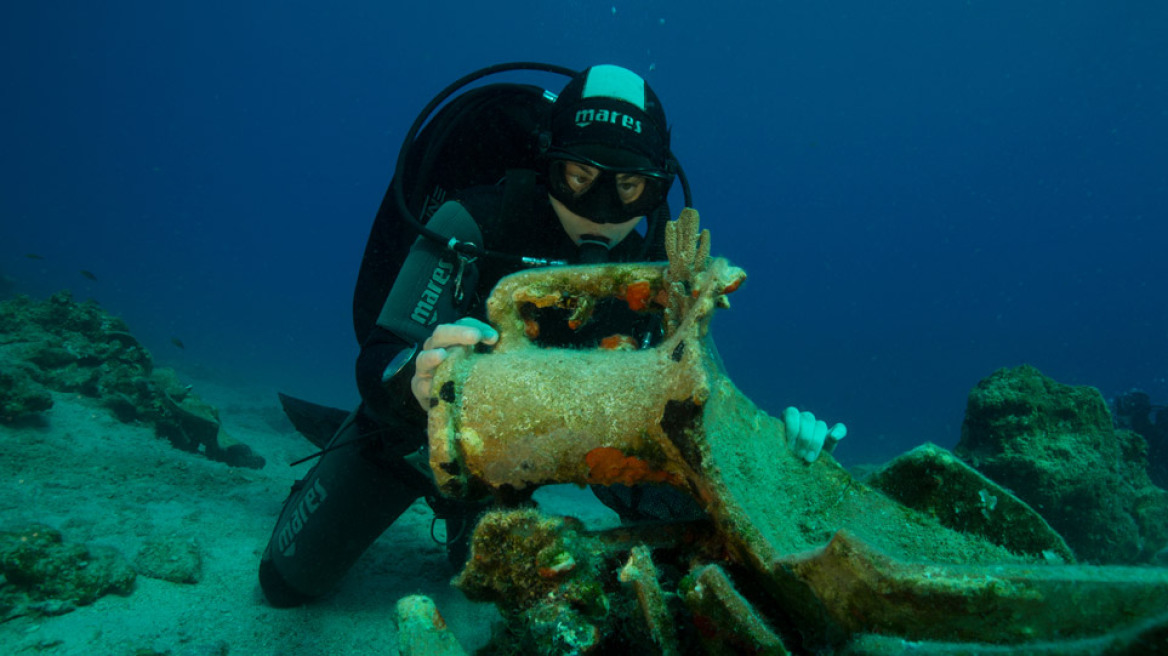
x,y
389,401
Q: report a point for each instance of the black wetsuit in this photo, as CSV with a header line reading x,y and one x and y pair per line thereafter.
x,y
355,492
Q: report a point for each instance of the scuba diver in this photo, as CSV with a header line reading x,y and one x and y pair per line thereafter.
x,y
503,178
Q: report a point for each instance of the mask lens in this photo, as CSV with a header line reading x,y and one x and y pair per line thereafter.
x,y
604,195
579,177
630,187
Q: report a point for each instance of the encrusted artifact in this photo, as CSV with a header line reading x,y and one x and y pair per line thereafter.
x,y
526,415
798,556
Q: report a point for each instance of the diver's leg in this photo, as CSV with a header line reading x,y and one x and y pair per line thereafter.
x,y
334,513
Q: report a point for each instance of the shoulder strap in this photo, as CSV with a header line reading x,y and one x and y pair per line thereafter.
x,y
518,193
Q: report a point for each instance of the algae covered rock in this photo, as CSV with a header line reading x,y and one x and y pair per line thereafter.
x,y
932,480
545,575
64,346
519,556
421,630
1055,447
20,394
43,571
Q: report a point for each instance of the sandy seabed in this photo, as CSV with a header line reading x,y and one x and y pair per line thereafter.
x,y
101,482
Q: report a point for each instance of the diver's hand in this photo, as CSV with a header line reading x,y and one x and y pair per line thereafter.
x,y
462,333
808,436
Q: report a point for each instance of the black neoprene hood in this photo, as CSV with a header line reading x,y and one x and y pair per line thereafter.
x,y
612,106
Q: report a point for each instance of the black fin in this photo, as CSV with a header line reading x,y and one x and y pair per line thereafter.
x,y
316,422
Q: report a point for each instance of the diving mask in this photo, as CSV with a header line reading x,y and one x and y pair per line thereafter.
x,y
605,193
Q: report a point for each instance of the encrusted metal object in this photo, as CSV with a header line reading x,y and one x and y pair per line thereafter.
x,y
817,557
422,630
524,416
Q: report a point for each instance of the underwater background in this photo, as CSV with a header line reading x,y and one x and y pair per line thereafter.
x,y
921,192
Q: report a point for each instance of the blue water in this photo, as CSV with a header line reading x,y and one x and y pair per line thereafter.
x,y
921,192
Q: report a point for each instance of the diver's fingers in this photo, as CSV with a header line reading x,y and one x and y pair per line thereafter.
x,y
488,334
423,381
449,334
464,332
428,361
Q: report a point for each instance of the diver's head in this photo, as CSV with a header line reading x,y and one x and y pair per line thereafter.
x,y
608,153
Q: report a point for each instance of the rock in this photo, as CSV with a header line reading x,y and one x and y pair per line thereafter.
x,y
20,395
1055,447
59,345
932,480
52,607
1135,411
41,566
177,559
544,574
421,630
190,423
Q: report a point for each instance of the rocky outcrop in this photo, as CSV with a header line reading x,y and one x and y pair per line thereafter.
x,y
59,345
1055,447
